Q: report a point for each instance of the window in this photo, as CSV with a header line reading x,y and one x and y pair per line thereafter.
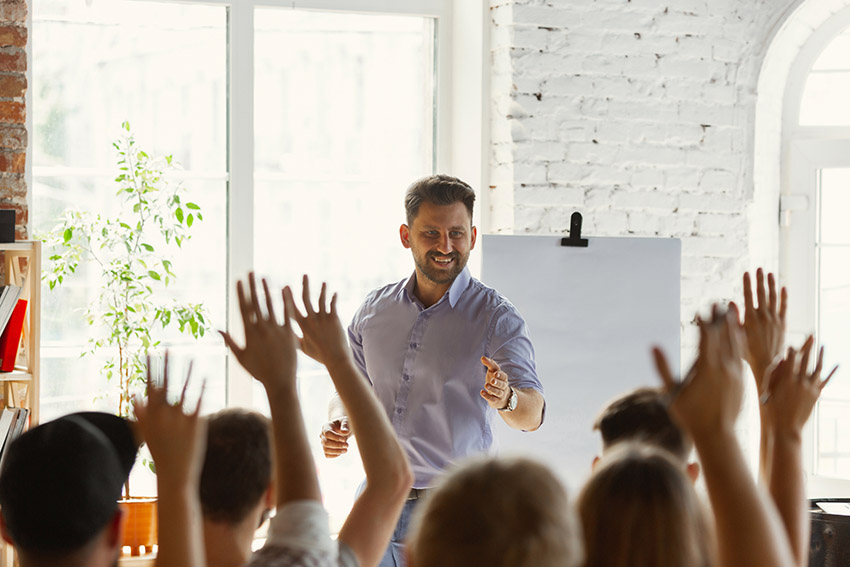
x,y
297,131
815,238
163,68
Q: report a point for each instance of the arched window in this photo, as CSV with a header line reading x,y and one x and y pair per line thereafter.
x,y
815,233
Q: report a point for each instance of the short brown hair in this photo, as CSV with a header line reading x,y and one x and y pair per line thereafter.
x,y
238,464
639,509
642,415
501,513
438,190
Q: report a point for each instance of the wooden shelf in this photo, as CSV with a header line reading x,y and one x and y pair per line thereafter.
x,y
16,376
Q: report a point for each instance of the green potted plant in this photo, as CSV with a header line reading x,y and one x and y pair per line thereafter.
x,y
132,251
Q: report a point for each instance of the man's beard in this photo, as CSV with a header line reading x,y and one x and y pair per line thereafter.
x,y
441,277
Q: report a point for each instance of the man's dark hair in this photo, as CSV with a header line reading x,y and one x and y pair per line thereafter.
x,y
438,190
237,466
641,415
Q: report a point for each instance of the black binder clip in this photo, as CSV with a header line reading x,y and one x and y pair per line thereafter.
x,y
575,239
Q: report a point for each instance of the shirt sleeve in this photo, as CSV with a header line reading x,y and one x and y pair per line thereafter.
x,y
347,558
303,525
509,344
355,340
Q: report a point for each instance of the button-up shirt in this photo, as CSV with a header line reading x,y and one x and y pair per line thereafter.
x,y
425,366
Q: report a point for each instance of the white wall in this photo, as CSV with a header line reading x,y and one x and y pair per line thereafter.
x,y
638,113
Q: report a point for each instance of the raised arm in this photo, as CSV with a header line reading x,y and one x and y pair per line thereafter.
x,y
706,405
269,355
790,398
764,327
369,526
176,441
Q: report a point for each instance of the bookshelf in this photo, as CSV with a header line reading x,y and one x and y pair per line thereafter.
x,y
21,263
22,266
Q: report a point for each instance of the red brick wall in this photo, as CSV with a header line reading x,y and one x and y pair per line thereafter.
x,y
13,112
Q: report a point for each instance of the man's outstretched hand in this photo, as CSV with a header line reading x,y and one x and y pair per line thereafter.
x,y
496,389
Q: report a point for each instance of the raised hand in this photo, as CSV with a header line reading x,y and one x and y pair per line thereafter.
x,y
176,439
706,404
709,398
764,325
496,388
324,339
269,353
793,390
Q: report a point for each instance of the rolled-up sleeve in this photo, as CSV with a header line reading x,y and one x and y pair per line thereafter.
x,y
509,344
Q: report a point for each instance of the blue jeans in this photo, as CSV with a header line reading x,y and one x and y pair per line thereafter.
x,y
394,556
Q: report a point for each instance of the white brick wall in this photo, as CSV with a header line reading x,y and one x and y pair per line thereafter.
x,y
639,114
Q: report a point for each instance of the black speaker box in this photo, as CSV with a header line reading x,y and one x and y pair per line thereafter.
x,y
830,544
7,225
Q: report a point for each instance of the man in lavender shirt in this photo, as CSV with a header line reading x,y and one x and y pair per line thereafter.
x,y
444,352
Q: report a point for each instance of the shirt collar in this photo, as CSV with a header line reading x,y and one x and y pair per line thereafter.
x,y
455,290
407,289
459,286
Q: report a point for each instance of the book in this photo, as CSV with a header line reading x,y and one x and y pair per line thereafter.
x,y
21,423
10,339
6,421
18,421
8,300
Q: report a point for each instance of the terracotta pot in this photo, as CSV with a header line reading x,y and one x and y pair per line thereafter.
x,y
140,527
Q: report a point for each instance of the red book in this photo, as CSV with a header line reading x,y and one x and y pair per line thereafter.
x,y
10,340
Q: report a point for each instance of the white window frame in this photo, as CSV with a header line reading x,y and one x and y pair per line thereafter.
x,y
805,150
461,123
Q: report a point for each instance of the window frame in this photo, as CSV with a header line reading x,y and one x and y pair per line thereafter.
x,y
460,133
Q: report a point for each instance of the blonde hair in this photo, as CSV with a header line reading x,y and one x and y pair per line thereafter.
x,y
639,509
500,513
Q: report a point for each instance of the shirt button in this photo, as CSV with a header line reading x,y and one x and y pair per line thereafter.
x,y
398,411
406,377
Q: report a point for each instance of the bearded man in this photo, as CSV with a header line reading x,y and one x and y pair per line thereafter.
x,y
444,352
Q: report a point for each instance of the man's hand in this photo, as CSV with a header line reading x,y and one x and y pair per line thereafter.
x,y
792,390
708,400
270,348
764,325
496,388
324,338
334,437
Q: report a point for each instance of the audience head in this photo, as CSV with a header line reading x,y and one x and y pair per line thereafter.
x,y
639,509
59,489
641,415
238,466
506,513
437,190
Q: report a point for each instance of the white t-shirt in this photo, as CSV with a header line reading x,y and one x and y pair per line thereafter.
x,y
299,536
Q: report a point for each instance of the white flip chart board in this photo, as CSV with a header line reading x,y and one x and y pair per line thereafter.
x,y
593,314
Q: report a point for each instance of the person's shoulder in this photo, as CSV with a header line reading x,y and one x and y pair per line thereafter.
x,y
282,556
388,292
489,297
